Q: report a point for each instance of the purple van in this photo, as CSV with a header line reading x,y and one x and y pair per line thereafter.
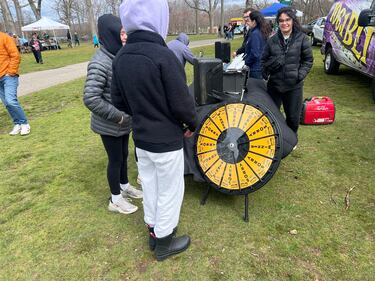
x,y
349,37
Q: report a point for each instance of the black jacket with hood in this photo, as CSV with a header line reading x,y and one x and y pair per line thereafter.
x,y
287,65
149,84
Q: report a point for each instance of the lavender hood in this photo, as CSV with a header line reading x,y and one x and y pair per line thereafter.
x,y
145,15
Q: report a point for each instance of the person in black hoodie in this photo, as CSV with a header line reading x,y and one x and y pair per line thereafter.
x,y
111,124
287,59
149,84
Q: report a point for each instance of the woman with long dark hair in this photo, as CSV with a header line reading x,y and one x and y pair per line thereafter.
x,y
255,44
286,61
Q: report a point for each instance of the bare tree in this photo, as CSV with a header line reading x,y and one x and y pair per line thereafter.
x,y
64,9
195,4
78,15
36,8
20,20
8,19
312,8
222,18
114,4
90,17
249,3
207,6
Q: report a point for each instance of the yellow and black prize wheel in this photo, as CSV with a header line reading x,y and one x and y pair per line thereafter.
x,y
237,147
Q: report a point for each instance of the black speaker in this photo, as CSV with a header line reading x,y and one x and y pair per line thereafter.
x,y
222,51
208,76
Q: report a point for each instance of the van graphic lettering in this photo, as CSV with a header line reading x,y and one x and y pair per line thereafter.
x,y
355,38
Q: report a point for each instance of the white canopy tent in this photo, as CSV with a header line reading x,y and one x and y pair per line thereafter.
x,y
45,24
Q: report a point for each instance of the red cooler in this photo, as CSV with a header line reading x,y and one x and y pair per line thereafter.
x,y
318,111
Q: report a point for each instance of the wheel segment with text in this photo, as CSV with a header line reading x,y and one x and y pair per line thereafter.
x,y
237,147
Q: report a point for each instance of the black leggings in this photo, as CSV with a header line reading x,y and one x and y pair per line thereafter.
x,y
117,169
292,103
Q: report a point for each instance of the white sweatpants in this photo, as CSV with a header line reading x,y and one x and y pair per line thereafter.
x,y
162,176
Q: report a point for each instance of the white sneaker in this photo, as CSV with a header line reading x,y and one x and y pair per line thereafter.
x,y
132,192
16,130
122,206
25,129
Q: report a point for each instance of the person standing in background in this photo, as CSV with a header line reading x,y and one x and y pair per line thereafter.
x,y
36,47
180,47
95,41
246,31
69,38
286,61
76,39
259,34
9,66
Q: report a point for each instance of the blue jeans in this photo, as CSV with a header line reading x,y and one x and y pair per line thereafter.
x,y
8,95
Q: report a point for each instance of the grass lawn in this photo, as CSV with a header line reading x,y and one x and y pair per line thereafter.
x,y
66,56
54,223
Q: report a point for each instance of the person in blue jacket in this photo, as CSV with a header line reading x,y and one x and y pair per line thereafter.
x,y
260,32
95,41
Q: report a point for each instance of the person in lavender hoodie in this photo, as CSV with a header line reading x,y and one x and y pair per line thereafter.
x,y
180,48
149,84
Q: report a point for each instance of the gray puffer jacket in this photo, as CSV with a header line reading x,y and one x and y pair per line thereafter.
x,y
97,97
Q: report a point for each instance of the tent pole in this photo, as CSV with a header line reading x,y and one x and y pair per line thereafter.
x,y
54,36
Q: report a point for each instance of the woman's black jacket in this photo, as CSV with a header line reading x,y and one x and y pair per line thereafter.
x,y
286,65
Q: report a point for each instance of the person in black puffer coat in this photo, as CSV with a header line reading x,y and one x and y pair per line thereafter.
x,y
110,123
286,61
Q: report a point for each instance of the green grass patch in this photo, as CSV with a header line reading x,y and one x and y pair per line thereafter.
x,y
57,58
54,224
66,56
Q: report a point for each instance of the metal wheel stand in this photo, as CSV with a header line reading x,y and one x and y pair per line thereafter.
x,y
246,210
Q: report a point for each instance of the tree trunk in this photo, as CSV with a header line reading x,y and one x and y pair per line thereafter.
x,y
19,14
210,20
8,20
210,15
196,21
90,16
222,18
36,9
248,3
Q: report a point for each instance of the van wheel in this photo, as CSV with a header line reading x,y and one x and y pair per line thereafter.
x,y
373,89
313,40
331,65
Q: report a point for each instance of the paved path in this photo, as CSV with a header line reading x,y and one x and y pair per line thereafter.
x,y
36,81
